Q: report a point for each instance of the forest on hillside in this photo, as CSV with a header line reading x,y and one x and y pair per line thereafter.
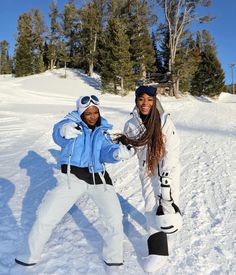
x,y
127,42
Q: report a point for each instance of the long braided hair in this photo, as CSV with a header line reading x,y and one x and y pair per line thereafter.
x,y
152,138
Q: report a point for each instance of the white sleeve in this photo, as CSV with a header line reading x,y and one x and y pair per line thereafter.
x,y
170,163
130,130
171,158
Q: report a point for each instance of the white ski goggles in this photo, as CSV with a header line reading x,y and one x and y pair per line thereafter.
x,y
86,100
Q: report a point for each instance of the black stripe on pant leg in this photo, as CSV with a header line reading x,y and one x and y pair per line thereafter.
x,y
158,244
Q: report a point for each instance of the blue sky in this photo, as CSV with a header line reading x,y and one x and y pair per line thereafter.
x,y
222,28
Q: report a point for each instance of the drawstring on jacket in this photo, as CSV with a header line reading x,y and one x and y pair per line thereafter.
x,y
68,166
94,182
103,178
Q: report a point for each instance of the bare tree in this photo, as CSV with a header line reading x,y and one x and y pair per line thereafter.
x,y
178,15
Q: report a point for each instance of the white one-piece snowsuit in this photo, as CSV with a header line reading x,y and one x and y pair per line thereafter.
x,y
157,243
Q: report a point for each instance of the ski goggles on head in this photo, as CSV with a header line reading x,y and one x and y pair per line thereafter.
x,y
86,100
149,90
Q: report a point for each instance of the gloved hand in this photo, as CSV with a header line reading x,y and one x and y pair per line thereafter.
x,y
168,215
69,130
166,199
168,218
167,206
123,153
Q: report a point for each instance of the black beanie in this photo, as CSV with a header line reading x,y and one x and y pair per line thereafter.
x,y
151,91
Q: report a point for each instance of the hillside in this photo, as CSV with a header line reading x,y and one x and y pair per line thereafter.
x,y
30,106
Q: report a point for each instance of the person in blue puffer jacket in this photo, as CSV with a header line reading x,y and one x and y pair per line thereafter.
x,y
85,148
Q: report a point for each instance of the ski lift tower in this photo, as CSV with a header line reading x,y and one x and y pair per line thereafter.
x,y
232,71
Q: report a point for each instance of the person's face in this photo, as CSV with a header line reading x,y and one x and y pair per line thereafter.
x,y
145,103
91,115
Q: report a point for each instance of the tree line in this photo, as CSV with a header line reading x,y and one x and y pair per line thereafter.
x,y
114,39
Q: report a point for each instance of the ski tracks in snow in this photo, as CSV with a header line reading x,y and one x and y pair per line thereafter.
x,y
203,246
207,191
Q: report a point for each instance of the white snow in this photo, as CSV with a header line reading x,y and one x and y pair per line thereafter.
x,y
226,97
30,106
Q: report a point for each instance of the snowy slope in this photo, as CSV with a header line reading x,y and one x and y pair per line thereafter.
x,y
29,108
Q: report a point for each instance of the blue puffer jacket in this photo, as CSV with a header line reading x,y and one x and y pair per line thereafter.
x,y
91,149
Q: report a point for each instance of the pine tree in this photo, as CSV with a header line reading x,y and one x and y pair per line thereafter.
x,y
187,60
53,46
46,60
70,31
137,18
199,41
24,46
38,40
116,69
164,47
209,78
91,30
63,55
5,60
158,59
207,42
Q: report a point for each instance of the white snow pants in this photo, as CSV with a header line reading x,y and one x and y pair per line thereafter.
x,y
59,201
151,192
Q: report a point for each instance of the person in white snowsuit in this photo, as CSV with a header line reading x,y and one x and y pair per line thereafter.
x,y
85,147
157,145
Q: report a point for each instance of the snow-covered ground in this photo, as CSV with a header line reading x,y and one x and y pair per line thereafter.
x,y
30,106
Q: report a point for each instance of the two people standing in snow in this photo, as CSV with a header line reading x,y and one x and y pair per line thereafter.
x,y
85,148
153,134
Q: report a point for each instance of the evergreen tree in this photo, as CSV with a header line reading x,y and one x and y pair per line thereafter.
x,y
52,49
187,60
102,23
138,19
207,42
24,47
64,55
158,59
46,60
38,40
164,47
5,60
70,31
91,30
116,68
209,78
199,41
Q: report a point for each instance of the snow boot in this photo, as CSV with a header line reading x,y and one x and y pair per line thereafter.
x,y
152,263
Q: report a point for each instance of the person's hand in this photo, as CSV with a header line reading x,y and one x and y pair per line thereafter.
x,y
168,217
124,152
166,199
167,206
70,130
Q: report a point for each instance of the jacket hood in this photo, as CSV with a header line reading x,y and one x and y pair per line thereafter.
x,y
136,115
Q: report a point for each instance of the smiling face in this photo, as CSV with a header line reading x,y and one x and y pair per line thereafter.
x,y
91,115
144,103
